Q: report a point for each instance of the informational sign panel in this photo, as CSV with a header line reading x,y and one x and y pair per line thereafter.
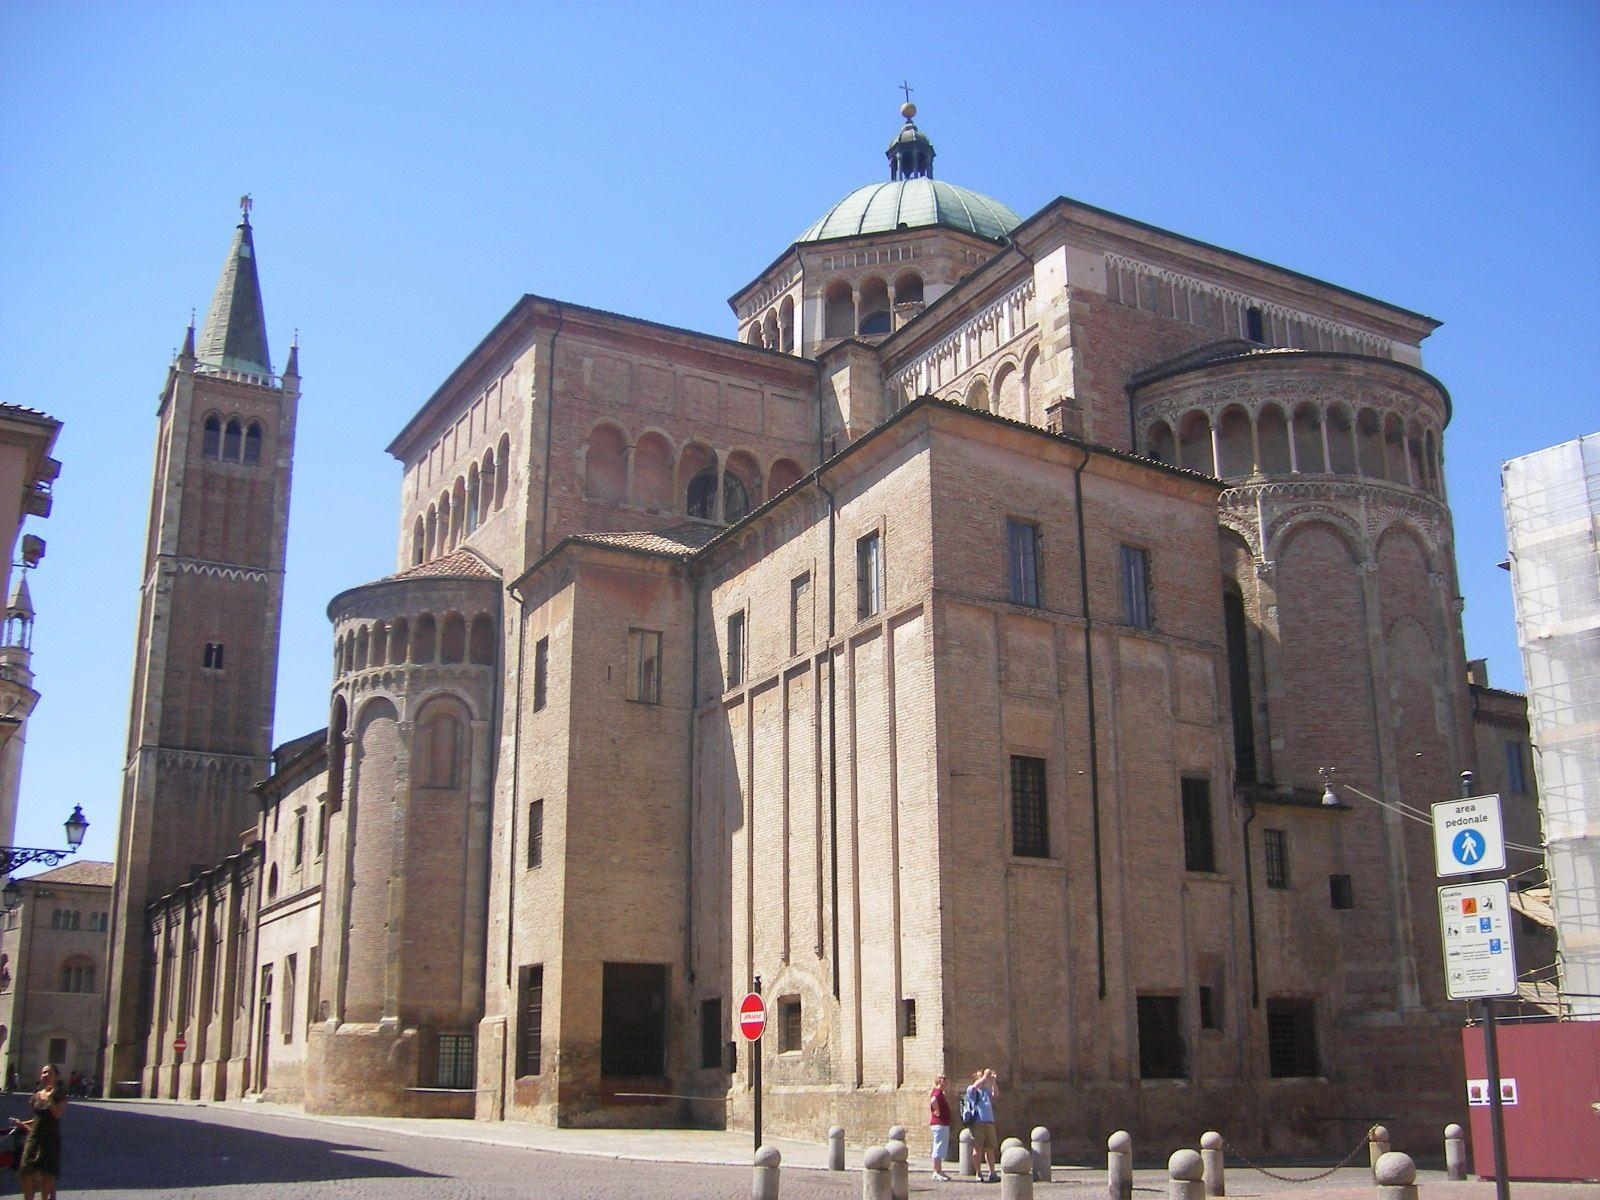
x,y
1468,837
1475,919
1478,1092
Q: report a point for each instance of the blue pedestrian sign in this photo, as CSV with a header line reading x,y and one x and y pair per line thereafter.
x,y
1467,836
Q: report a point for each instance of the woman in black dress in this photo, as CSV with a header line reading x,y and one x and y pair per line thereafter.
x,y
41,1151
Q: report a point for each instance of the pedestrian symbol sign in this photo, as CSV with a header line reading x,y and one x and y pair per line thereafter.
x,y
1467,836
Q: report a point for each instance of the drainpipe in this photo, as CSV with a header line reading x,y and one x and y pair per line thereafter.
x,y
688,800
833,734
1250,908
516,760
1094,740
549,429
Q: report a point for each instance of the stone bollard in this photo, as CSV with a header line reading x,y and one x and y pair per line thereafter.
x,y
968,1167
875,1175
1185,1176
1396,1177
899,1169
1011,1143
1119,1166
1211,1166
765,1184
1377,1146
1016,1172
897,1133
1455,1153
836,1148
1041,1154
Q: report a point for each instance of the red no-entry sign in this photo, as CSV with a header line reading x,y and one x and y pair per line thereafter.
x,y
752,1017
180,1043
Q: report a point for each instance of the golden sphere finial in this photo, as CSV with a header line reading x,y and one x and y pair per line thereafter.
x,y
908,110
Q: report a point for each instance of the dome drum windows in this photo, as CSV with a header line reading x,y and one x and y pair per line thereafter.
x,y
231,440
450,639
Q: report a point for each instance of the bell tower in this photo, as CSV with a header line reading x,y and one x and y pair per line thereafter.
x,y
210,606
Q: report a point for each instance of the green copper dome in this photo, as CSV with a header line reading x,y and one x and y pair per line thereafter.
x,y
913,203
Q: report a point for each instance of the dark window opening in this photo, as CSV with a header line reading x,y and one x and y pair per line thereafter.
x,y
1254,325
869,575
735,649
1277,851
1030,813
876,322
644,666
1136,587
1022,543
908,1018
1160,1038
231,437
457,1061
299,837
211,442
530,1018
702,498
1199,851
1244,732
1516,776
1209,1017
213,656
633,1021
1340,892
789,1024
711,1034
536,833
1291,1039
541,673
800,613
252,444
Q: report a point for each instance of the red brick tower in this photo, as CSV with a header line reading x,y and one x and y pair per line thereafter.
x,y
211,599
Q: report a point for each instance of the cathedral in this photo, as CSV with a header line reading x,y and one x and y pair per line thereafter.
x,y
986,654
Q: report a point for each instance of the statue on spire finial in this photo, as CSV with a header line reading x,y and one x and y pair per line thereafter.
x,y
908,109
245,205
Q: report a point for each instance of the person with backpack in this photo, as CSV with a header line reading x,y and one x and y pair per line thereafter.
x,y
977,1114
939,1127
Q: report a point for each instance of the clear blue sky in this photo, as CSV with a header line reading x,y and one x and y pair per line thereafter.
x,y
416,168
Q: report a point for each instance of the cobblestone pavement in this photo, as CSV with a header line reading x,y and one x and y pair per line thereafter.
x,y
247,1152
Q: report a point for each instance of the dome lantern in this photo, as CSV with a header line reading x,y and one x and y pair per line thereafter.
x,y
911,153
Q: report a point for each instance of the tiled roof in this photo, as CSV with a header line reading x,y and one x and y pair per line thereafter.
x,y
20,410
458,564
680,541
99,874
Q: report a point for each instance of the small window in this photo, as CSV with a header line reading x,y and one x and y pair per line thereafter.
x,y
288,998
536,833
252,444
1199,851
1022,541
1340,892
58,1050
789,1024
1277,848
74,919
299,836
1292,1039
735,675
232,436
1030,814
1136,587
77,975
1516,775
530,1018
272,882
1160,1038
213,656
869,575
541,673
1254,325
211,441
456,1066
711,1034
800,628
1209,1017
644,666
908,1018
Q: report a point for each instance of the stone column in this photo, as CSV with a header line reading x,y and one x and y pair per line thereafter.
x,y
836,1148
1041,1154
1455,1153
1211,1163
1119,1166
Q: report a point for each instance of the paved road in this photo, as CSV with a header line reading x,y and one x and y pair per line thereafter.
x,y
136,1151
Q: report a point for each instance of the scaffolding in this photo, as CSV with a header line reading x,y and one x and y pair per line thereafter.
x,y
1552,509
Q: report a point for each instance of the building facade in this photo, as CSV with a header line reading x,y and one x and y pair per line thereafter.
x,y
958,653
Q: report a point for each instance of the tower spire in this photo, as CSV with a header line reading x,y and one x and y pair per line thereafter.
x,y
234,336
911,153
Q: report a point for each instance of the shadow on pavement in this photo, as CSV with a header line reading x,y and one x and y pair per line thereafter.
x,y
105,1145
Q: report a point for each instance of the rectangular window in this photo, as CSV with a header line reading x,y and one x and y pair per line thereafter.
x,y
213,656
1199,852
711,1034
908,1018
58,1050
1516,776
541,673
1340,893
869,575
800,627
1254,326
1136,587
1208,1009
536,833
633,1020
530,1018
1291,1039
1160,1038
1022,543
456,1065
1277,847
789,1023
1030,814
735,674
644,666
299,836
288,998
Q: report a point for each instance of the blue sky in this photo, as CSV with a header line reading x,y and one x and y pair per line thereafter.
x,y
416,168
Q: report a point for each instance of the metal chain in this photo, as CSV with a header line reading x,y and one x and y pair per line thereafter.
x,y
1339,1166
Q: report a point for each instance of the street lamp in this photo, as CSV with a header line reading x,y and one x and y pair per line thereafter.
x,y
13,857
12,894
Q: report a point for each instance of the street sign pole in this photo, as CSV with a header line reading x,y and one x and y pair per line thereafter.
x,y
1497,1118
755,1066
752,1024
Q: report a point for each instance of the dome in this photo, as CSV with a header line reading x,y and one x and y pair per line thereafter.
x,y
913,204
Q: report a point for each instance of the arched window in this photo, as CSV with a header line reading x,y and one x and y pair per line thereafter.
x,y
453,639
769,330
422,642
432,538
442,546
211,442
399,642
978,395
874,307
231,437
441,751
252,443
1158,443
502,470
77,974
481,649
908,291
605,468
458,512
786,325
784,474
361,649
272,883
472,498
486,503
417,535
380,640
839,319
652,472
703,493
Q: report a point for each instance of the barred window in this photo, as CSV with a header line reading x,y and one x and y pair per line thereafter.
x,y
1277,851
1030,813
1136,587
541,673
869,575
1161,1038
800,619
535,833
1341,894
1291,1039
908,1018
1210,1014
530,1018
1022,543
644,666
456,1061
212,661
711,1034
789,1023
633,1016
735,649
1199,851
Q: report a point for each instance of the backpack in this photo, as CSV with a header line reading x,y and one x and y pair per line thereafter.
x,y
969,1107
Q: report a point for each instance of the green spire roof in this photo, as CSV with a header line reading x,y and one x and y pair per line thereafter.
x,y
234,336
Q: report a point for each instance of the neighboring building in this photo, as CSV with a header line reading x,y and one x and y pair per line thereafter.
x,y
1552,507
956,652
53,952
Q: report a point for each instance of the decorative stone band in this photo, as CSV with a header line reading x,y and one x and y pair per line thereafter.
x,y
212,369
1008,318
196,566
1263,513
770,293
1212,306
